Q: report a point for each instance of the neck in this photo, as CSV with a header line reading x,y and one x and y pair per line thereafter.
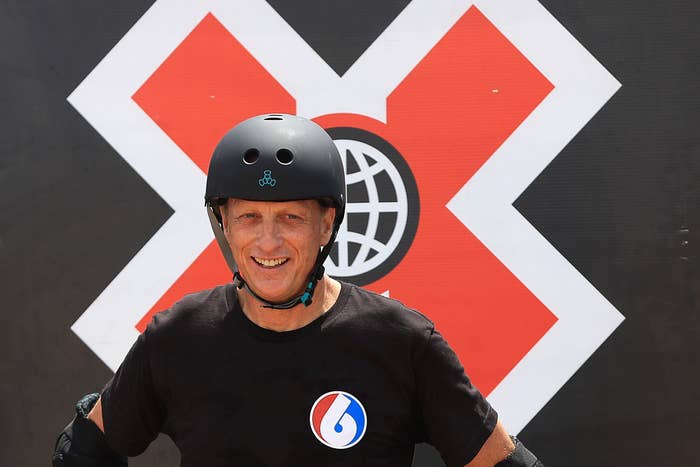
x,y
327,291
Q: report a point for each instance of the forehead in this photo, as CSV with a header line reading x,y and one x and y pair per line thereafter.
x,y
244,204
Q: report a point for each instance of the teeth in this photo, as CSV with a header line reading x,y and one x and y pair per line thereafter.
x,y
270,262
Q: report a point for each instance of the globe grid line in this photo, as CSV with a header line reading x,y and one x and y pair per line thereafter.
x,y
360,151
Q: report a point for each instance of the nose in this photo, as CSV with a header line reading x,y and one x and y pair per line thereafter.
x,y
269,236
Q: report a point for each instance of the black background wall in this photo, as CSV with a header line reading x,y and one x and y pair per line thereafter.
x,y
621,203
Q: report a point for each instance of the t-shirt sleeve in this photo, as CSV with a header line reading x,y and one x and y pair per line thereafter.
x,y
456,418
131,410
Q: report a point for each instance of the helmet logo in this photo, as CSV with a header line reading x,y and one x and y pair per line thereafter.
x,y
267,179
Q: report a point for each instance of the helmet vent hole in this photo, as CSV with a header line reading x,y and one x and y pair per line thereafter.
x,y
273,118
251,156
285,156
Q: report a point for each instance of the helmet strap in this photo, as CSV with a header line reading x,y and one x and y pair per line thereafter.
x,y
305,298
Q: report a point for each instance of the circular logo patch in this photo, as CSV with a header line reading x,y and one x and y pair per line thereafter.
x,y
338,420
382,211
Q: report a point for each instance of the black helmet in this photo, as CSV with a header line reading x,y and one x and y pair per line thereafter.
x,y
276,157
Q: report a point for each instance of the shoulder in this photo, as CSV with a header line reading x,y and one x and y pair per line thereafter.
x,y
387,313
193,311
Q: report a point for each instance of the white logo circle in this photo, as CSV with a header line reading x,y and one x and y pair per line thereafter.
x,y
338,420
369,251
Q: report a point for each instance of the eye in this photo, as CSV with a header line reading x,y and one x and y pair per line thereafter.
x,y
293,218
246,217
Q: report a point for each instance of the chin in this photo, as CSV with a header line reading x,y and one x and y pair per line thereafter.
x,y
275,294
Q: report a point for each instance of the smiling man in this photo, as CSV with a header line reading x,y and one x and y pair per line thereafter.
x,y
286,366
275,245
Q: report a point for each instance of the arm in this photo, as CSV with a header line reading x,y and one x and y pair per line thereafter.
x,y
82,443
496,448
96,415
460,422
502,450
128,405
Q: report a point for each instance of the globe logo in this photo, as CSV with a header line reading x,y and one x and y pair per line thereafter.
x,y
382,210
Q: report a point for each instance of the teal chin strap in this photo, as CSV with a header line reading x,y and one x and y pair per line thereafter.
x,y
305,298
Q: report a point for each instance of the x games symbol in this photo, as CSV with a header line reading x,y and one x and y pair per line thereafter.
x,y
477,96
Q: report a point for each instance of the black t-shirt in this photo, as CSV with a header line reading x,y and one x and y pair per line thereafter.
x,y
360,385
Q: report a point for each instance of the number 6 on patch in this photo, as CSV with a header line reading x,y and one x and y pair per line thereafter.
x,y
338,420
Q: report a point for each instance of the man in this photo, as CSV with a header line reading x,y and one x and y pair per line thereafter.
x,y
286,366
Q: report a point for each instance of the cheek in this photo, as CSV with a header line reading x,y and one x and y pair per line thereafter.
x,y
237,239
305,243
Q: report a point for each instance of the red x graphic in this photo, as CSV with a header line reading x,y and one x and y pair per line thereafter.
x,y
459,104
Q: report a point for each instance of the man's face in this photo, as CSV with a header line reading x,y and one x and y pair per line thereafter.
x,y
275,243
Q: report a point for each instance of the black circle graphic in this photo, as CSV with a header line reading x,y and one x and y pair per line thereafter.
x,y
388,194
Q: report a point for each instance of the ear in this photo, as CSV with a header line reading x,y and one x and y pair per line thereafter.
x,y
327,225
223,209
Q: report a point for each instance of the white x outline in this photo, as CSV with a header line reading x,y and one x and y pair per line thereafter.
x,y
484,204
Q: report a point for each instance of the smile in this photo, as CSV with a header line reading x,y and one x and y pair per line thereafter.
x,y
270,263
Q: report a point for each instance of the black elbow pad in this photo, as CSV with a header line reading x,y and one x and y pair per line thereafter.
x,y
82,444
520,457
